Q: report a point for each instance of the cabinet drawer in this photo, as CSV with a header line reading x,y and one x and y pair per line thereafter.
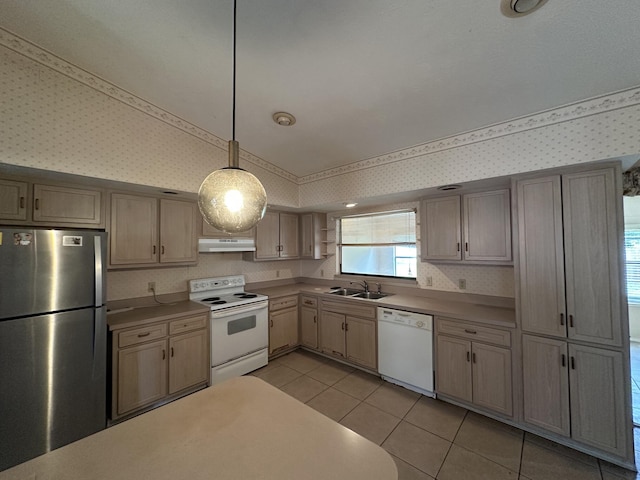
x,y
187,324
354,308
309,302
474,332
284,302
142,335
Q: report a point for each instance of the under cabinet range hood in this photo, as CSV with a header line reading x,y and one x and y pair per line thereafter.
x,y
212,245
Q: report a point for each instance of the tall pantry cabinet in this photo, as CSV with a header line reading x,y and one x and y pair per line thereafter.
x,y
572,310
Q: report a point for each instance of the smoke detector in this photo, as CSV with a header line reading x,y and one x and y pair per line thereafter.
x,y
284,119
519,8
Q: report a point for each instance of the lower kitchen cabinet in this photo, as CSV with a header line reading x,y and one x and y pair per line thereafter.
x,y
349,330
577,391
283,324
309,321
158,362
470,369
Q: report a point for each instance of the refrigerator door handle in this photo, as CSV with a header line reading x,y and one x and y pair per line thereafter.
x,y
97,245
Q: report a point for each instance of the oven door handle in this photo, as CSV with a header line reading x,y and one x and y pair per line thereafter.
x,y
239,309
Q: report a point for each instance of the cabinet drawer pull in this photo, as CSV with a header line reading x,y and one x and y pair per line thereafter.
x,y
468,356
466,330
37,204
21,202
140,335
308,302
172,351
164,354
571,321
562,319
564,360
473,356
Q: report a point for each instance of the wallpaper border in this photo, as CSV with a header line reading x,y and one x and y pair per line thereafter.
x,y
50,60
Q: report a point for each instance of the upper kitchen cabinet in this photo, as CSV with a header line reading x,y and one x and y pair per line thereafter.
x,y
569,249
313,236
472,228
148,231
276,237
40,204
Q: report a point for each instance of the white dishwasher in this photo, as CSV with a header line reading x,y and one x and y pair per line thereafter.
x,y
405,349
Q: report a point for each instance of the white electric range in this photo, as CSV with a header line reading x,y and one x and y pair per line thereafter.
x,y
239,325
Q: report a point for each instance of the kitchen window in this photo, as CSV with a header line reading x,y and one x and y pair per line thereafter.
x,y
379,244
632,259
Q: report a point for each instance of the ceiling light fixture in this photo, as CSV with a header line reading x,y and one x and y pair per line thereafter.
x,y
232,199
350,205
283,118
519,8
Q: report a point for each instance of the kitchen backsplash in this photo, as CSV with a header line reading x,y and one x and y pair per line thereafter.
x,y
56,116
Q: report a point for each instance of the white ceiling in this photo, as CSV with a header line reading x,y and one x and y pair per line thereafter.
x,y
363,77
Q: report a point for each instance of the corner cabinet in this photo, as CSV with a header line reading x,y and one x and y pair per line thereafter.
x,y
472,228
158,362
572,310
313,236
276,237
148,231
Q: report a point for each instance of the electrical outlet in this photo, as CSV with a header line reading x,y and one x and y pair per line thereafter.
x,y
151,287
462,284
429,281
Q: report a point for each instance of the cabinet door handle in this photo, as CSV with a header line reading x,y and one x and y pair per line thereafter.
x,y
314,319
468,356
309,247
172,351
564,360
573,363
473,356
470,331
162,250
271,323
342,325
21,202
164,354
571,321
37,204
458,246
562,319
154,249
346,327
140,335
466,246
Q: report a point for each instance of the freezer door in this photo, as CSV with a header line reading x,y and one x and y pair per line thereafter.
x,y
52,382
46,271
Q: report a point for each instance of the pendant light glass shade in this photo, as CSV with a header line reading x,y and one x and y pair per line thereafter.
x,y
232,199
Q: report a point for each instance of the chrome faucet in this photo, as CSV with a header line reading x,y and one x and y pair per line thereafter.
x,y
363,284
379,287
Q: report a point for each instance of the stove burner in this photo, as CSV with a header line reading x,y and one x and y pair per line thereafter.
x,y
218,302
210,299
247,295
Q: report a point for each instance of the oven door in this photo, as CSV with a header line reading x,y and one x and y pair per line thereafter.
x,y
238,331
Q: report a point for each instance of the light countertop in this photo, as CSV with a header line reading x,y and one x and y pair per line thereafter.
x,y
243,428
155,313
493,315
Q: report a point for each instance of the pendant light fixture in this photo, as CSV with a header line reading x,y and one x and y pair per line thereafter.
x,y
232,199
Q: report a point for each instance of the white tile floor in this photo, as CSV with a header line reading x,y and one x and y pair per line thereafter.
x,y
428,438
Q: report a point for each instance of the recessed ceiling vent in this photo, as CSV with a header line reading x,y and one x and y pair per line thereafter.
x,y
519,8
446,188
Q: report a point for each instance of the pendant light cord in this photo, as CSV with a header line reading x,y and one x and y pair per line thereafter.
x,y
233,126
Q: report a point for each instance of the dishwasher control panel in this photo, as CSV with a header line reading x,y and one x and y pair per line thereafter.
x,y
410,319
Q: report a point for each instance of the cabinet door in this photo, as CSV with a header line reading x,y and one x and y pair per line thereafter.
x,y
361,345
53,204
178,236
309,327
13,200
188,360
453,368
592,257
487,226
306,236
441,228
289,235
546,383
268,236
596,381
283,329
142,375
542,304
332,334
491,384
133,236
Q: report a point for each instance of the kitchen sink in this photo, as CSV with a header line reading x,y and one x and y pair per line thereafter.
x,y
370,295
346,292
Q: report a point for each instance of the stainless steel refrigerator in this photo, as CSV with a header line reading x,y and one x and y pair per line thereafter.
x,y
52,339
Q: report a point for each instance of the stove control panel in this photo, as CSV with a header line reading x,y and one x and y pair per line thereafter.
x,y
206,284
